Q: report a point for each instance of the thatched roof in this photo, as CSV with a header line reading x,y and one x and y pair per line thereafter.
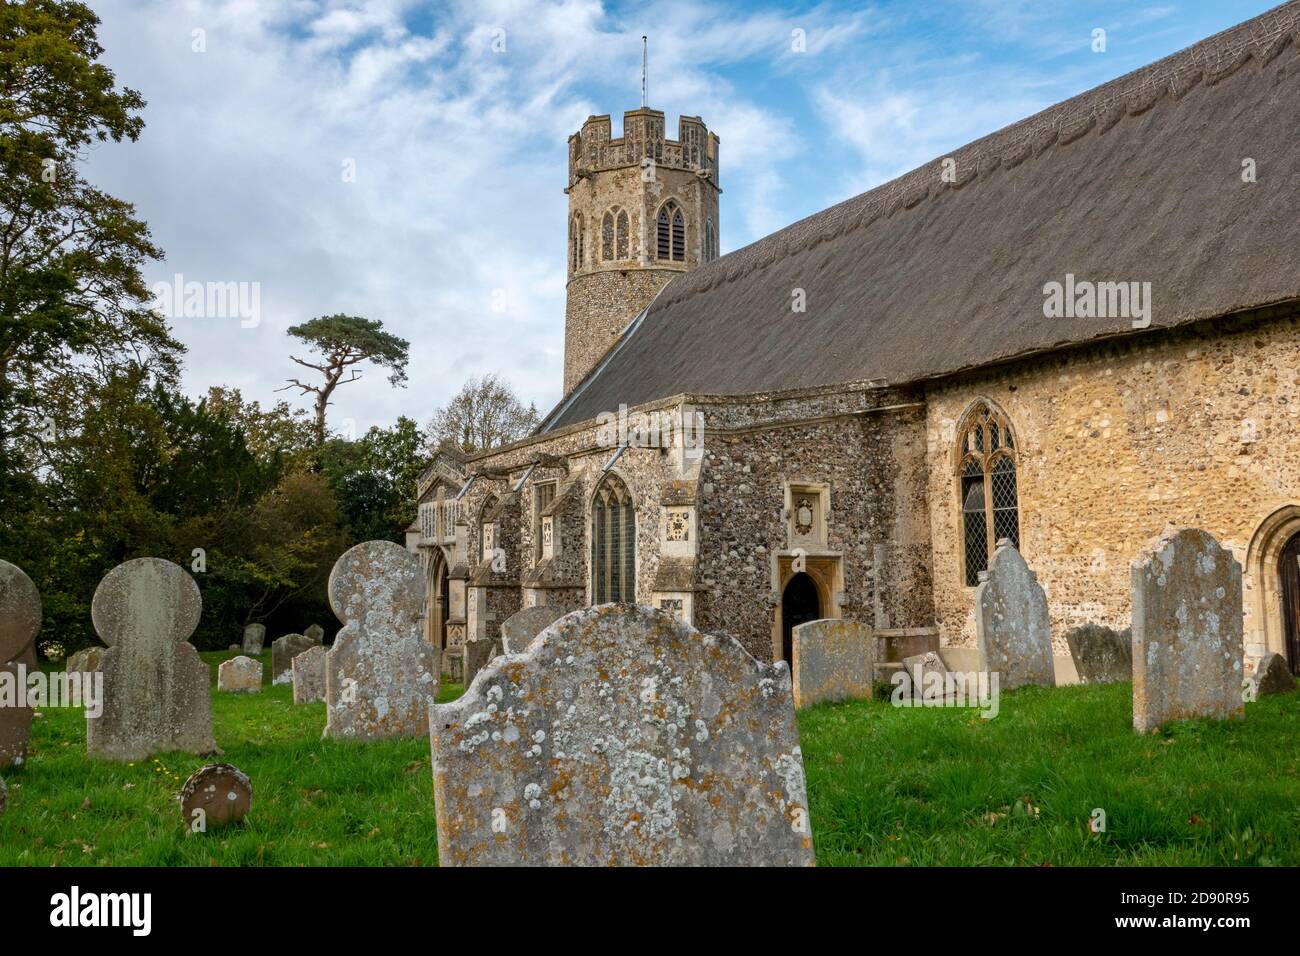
x,y
1137,180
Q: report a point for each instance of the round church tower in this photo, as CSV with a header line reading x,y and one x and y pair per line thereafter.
x,y
641,209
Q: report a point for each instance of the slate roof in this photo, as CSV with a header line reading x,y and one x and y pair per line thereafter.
x,y
1136,180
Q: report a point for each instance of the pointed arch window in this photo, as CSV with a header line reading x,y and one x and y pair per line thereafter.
x,y
607,236
575,242
986,476
613,543
620,234
710,239
670,233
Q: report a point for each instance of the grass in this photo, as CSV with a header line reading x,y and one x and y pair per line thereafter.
x,y
887,786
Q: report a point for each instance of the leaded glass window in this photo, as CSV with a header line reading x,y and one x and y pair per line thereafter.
x,y
986,476
613,543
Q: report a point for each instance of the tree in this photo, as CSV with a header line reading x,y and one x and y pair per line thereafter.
x,y
374,479
485,413
72,296
343,342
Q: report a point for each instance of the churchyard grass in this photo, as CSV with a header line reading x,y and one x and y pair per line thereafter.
x,y
887,786
942,786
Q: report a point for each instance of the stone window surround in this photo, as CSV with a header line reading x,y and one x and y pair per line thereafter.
x,y
590,523
959,456
820,536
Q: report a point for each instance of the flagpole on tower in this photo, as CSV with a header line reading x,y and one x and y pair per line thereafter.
x,y
643,69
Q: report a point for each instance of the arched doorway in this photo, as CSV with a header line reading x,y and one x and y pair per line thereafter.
x,y
1289,592
800,603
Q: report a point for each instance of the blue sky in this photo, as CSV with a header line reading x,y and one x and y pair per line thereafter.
x,y
452,229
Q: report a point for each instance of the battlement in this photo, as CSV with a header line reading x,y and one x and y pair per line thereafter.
x,y
591,149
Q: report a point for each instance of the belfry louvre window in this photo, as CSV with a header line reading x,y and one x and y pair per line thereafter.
x,y
986,475
613,543
670,233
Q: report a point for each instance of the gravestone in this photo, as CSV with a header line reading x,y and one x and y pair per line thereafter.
x,y
240,675
283,651
1012,629
918,668
1272,676
476,656
156,688
622,737
254,639
214,796
833,660
519,629
20,619
380,675
235,647
86,661
309,675
316,633
4,796
1101,655
1187,631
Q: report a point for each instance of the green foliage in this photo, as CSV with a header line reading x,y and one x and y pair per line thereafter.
x,y
374,479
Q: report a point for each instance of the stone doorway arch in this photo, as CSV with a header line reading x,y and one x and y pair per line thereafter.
x,y
801,602
1274,627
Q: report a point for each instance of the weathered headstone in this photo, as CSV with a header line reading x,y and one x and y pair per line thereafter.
x,y
86,661
1272,676
380,675
240,675
20,619
283,651
1012,628
833,660
519,629
215,796
156,688
476,656
254,639
919,669
309,675
235,647
315,632
622,737
1187,631
1101,655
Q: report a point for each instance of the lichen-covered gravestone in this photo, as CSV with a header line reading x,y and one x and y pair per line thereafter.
x,y
283,651
380,675
1012,628
156,688
309,675
1101,655
833,660
1187,631
20,619
477,654
316,633
1272,676
519,629
622,737
240,675
86,661
254,639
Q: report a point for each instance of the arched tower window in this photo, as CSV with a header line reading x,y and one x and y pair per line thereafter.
x,y
986,476
710,252
613,543
671,233
621,231
607,236
575,242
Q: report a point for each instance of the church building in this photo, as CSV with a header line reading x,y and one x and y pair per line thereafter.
x,y
1073,333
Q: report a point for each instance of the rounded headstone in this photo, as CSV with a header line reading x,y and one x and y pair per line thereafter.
x,y
222,793
149,599
20,611
377,586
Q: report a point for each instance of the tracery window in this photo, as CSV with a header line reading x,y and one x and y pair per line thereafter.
x,y
613,543
986,475
670,233
710,241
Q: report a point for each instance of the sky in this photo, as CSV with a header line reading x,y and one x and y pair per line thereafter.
x,y
405,160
